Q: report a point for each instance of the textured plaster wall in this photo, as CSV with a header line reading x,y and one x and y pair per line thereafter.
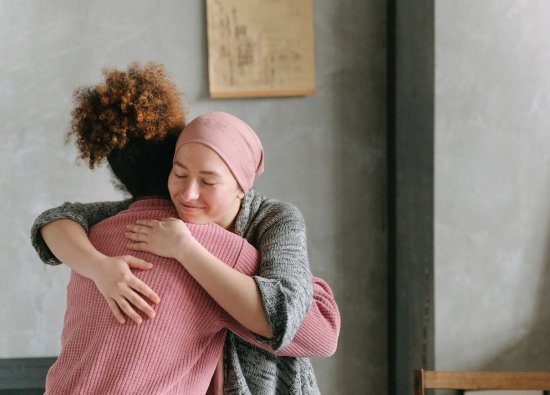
x,y
492,233
325,153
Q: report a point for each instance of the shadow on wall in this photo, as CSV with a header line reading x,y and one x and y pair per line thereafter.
x,y
532,352
358,50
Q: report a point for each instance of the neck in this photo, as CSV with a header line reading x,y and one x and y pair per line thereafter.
x,y
231,219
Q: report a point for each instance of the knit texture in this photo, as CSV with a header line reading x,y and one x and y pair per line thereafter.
x,y
277,229
177,351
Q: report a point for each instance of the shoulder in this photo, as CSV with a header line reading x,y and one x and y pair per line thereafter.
x,y
128,211
260,214
272,210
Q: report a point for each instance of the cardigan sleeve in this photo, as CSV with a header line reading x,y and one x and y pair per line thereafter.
x,y
284,278
318,333
85,214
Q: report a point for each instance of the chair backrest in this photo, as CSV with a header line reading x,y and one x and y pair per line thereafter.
x,y
433,379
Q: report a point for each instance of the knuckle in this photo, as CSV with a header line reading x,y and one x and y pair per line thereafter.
x,y
126,277
128,309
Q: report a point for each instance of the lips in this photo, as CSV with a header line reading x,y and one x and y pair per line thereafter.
x,y
190,207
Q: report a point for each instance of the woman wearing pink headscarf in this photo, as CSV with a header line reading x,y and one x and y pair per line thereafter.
x,y
216,160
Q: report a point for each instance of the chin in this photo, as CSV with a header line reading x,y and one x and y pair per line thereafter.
x,y
191,219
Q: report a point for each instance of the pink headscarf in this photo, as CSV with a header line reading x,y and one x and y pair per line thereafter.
x,y
232,139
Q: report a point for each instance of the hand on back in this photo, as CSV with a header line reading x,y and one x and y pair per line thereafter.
x,y
168,237
124,292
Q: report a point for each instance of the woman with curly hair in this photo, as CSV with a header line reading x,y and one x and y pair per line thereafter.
x,y
132,121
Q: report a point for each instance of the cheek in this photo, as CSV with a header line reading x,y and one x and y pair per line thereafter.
x,y
172,187
171,184
223,200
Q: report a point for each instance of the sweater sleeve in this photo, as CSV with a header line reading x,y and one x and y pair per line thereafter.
x,y
85,214
317,336
318,333
284,279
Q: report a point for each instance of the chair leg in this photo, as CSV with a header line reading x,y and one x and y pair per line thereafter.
x,y
419,382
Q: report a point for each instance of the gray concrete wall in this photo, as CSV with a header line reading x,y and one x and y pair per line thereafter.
x,y
325,153
492,182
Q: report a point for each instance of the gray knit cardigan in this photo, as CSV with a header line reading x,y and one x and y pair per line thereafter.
x,y
278,230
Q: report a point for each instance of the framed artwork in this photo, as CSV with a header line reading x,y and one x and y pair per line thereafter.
x,y
260,48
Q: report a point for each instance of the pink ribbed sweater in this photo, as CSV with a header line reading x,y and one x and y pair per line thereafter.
x,y
177,352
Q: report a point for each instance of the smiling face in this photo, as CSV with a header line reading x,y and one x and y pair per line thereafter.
x,y
203,188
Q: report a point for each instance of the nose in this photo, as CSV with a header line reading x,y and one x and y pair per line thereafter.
x,y
190,190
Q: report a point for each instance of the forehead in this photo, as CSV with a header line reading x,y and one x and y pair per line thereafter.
x,y
198,157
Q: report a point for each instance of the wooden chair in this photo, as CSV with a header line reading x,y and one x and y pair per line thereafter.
x,y
433,379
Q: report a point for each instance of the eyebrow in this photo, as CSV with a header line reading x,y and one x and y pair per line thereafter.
x,y
205,172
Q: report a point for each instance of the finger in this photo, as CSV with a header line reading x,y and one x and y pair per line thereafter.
x,y
138,302
139,228
129,310
136,263
116,311
139,286
136,236
137,247
147,222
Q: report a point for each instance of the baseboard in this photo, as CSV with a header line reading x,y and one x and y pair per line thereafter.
x,y
24,375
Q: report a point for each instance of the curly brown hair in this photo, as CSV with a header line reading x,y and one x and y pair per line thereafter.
x,y
140,103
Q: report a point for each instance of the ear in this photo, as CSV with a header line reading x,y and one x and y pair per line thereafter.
x,y
240,195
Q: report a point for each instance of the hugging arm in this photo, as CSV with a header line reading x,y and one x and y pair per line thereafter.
x,y
60,235
229,284
84,214
284,277
317,335
273,303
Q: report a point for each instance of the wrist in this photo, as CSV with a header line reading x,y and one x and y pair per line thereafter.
x,y
186,249
93,265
